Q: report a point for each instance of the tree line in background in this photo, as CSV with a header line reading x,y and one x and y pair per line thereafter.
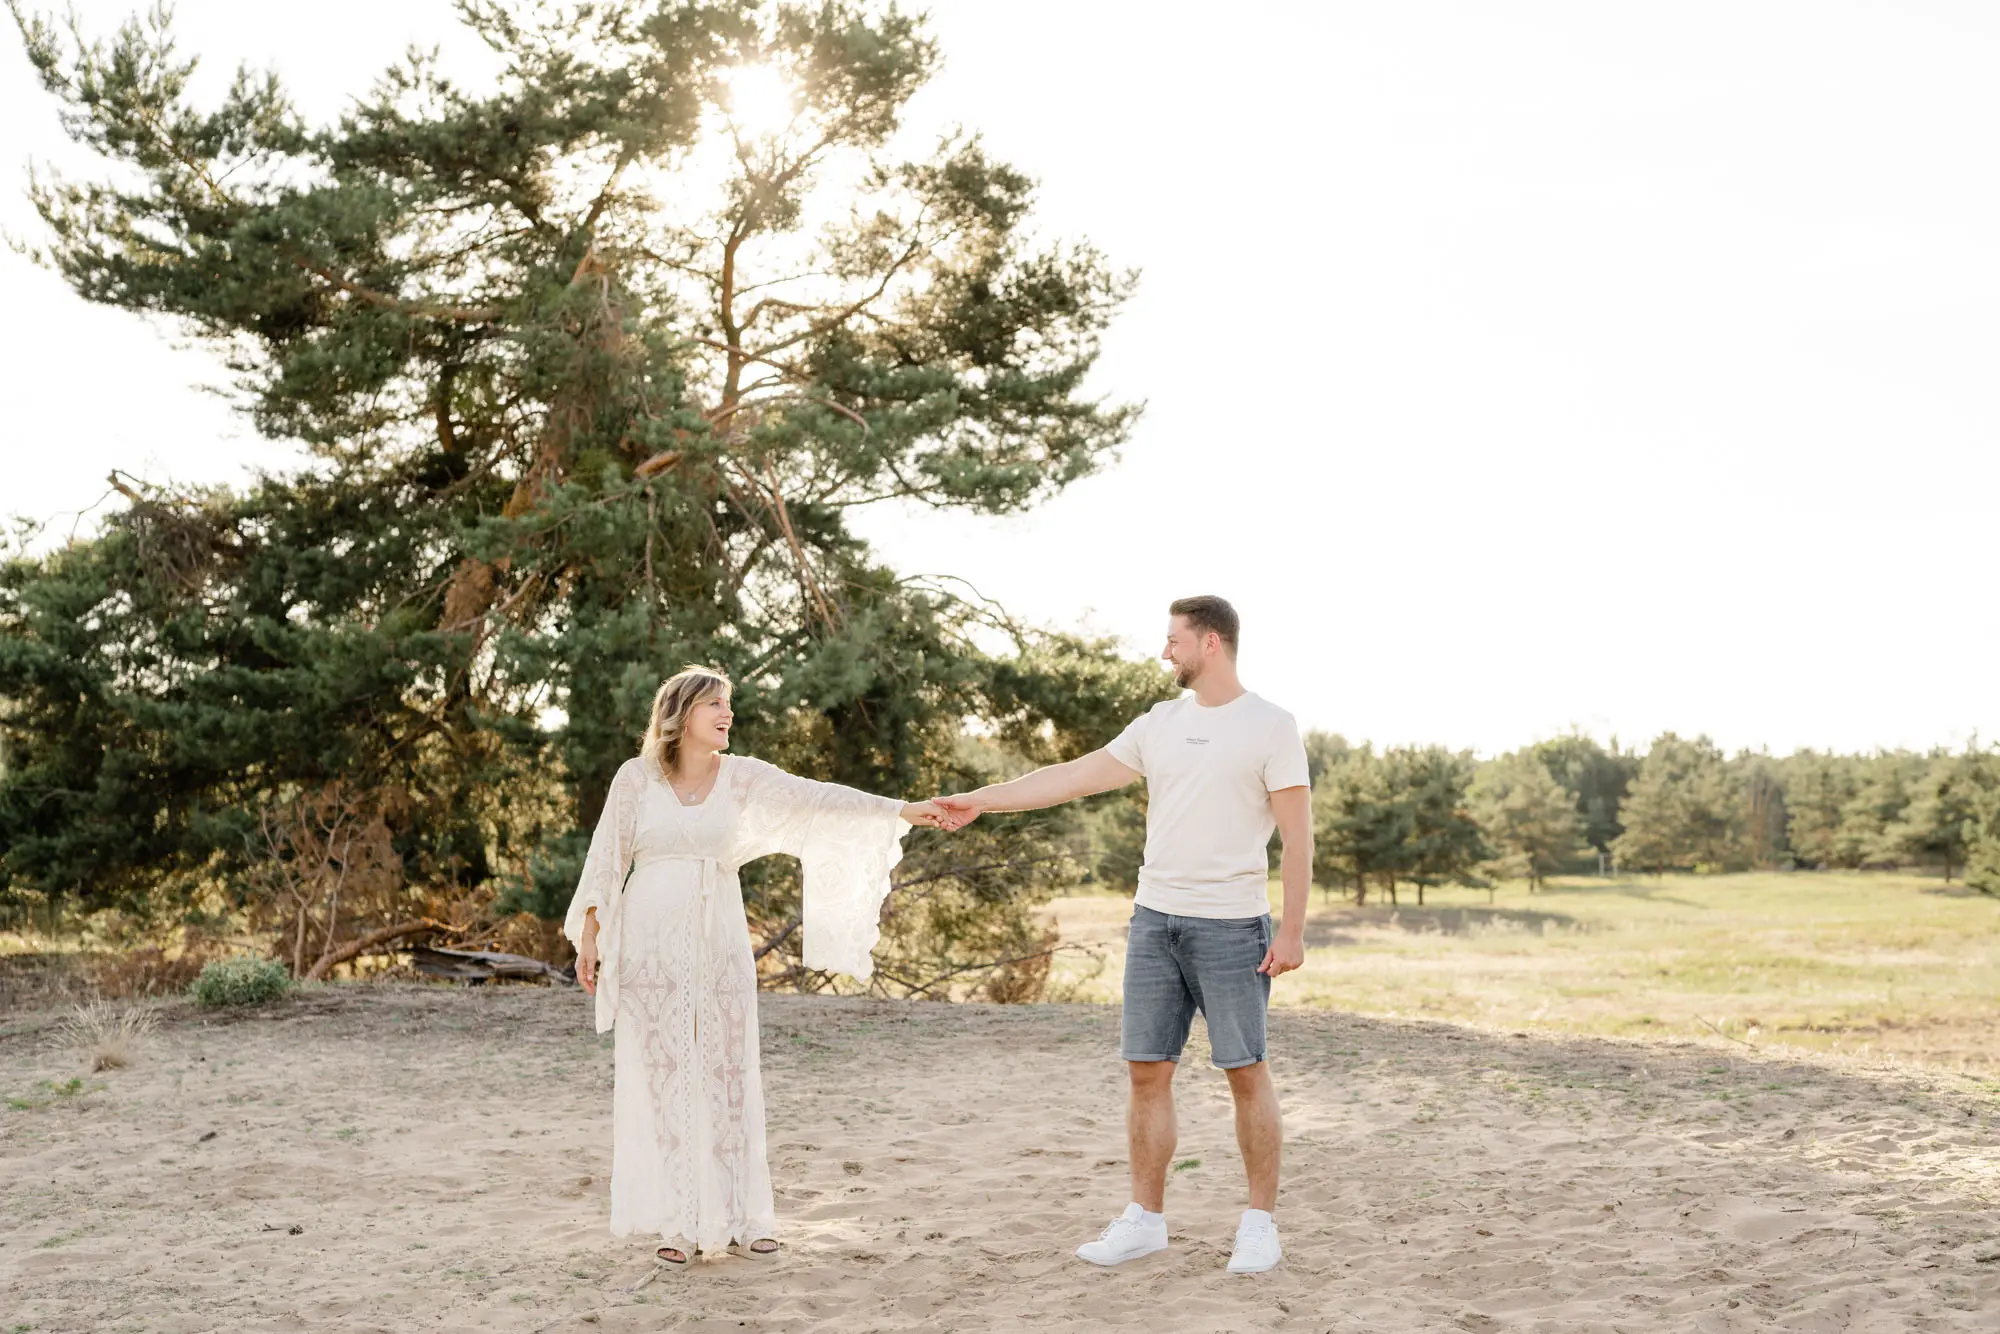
x,y
1421,816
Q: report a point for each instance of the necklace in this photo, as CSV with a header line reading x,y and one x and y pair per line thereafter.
x,y
686,799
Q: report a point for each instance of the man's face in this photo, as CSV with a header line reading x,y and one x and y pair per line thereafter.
x,y
1186,651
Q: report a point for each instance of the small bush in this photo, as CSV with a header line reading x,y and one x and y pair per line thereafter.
x,y
241,981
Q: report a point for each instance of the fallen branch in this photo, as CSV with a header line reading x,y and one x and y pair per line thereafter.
x,y
483,965
365,944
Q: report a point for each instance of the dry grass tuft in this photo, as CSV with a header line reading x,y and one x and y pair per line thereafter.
x,y
108,1034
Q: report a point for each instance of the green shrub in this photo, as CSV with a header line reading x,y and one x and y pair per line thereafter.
x,y
241,981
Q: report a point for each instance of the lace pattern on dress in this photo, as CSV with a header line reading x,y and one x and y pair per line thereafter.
x,y
847,843
689,1157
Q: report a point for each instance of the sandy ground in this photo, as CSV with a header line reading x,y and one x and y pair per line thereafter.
x,y
408,1158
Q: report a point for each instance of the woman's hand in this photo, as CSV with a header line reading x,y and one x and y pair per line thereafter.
x,y
586,955
927,813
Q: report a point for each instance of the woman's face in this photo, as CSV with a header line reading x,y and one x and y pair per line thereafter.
x,y
708,724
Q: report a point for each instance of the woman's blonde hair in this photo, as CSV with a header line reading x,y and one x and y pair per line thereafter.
x,y
677,696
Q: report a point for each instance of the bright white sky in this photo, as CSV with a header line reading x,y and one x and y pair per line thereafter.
x,y
1510,367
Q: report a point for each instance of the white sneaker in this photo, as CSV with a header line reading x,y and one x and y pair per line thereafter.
x,y
1256,1244
1129,1237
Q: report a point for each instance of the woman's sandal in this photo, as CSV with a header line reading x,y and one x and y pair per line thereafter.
x,y
761,1248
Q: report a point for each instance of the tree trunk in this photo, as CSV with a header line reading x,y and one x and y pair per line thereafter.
x,y
592,792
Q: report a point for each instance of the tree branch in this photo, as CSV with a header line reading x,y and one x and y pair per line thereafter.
x,y
778,939
460,314
363,944
924,988
956,872
846,313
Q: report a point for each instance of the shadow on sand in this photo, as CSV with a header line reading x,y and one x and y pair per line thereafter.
x,y
1336,925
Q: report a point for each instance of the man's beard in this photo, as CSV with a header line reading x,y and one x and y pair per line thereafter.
x,y
1186,676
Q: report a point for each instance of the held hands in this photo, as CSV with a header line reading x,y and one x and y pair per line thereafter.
x,y
960,810
1288,951
927,813
943,812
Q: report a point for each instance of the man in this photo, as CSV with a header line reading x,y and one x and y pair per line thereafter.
x,y
1222,767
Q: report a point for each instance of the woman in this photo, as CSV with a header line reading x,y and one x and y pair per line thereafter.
x,y
667,955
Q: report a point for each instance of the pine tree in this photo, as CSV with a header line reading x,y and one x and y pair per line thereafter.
x,y
1597,779
1818,788
1527,817
1684,810
1881,797
1766,812
1361,824
1982,866
1945,818
1324,751
1443,843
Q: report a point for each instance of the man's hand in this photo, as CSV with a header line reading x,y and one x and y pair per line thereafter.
x,y
1287,952
1292,808
959,810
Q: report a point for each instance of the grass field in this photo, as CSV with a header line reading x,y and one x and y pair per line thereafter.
x,y
1871,965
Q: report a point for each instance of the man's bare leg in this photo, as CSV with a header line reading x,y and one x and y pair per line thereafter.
x,y
1149,1128
1149,1125
1258,1133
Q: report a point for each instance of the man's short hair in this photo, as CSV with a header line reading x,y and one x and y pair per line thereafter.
x,y
1207,613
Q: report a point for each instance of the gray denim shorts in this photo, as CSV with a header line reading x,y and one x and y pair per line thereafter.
x,y
1177,965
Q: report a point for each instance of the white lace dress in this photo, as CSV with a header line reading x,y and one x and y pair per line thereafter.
x,y
678,986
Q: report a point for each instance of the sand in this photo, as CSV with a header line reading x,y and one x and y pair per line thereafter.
x,y
410,1158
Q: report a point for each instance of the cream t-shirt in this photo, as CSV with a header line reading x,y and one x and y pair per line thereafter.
x,y
1209,778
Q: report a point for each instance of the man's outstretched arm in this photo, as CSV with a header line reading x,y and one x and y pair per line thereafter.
x,y
1050,786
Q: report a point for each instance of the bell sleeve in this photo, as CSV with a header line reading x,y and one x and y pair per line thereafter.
x,y
847,843
605,867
